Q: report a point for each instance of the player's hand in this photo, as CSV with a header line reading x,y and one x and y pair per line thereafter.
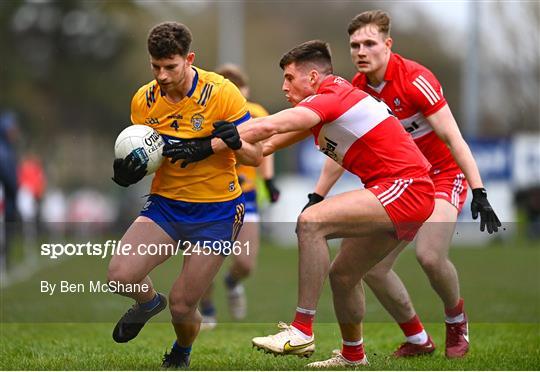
x,y
190,151
314,198
273,191
480,204
228,133
128,171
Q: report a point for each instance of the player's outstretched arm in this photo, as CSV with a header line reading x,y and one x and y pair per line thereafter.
x,y
282,140
297,119
246,153
445,126
250,154
285,128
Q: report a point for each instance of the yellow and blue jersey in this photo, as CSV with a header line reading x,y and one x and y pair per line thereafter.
x,y
210,99
246,173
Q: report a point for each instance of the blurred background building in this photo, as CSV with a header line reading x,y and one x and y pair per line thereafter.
x,y
70,68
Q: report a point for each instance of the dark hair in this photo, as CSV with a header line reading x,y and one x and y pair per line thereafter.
x,y
234,74
169,38
379,18
314,51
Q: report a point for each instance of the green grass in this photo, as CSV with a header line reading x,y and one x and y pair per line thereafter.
x,y
500,284
89,347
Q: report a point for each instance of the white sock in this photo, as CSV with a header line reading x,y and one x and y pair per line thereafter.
x,y
419,338
352,343
301,334
237,290
306,311
455,319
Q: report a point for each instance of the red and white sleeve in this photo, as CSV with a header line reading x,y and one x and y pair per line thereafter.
x,y
427,93
323,105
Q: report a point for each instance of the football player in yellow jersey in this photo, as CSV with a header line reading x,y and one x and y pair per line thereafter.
x,y
244,263
197,207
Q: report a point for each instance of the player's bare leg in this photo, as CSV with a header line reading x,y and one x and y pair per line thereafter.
x,y
242,267
208,310
353,261
133,268
392,294
198,272
389,289
432,246
328,219
244,263
351,214
355,258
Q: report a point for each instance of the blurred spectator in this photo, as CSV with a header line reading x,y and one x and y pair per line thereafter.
x,y
90,212
9,134
32,183
54,212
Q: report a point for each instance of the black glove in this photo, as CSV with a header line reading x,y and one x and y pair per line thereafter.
x,y
129,170
314,198
190,150
487,215
228,133
273,191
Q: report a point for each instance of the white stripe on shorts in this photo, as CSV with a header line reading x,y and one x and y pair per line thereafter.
x,y
457,189
395,191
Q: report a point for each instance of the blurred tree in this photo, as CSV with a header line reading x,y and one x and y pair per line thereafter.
x,y
64,75
510,74
64,62
70,67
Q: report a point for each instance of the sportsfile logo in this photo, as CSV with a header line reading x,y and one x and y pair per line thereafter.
x,y
117,248
110,247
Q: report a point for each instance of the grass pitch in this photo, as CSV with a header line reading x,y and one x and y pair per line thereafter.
x,y
500,284
89,346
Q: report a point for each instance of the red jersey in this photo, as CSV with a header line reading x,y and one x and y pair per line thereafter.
x,y
360,133
413,93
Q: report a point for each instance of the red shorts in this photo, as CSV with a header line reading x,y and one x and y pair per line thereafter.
x,y
452,187
408,202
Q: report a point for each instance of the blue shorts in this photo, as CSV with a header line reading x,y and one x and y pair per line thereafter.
x,y
252,212
196,222
251,201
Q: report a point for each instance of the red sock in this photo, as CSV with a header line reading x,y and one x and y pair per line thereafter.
x,y
304,321
455,311
352,352
412,327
